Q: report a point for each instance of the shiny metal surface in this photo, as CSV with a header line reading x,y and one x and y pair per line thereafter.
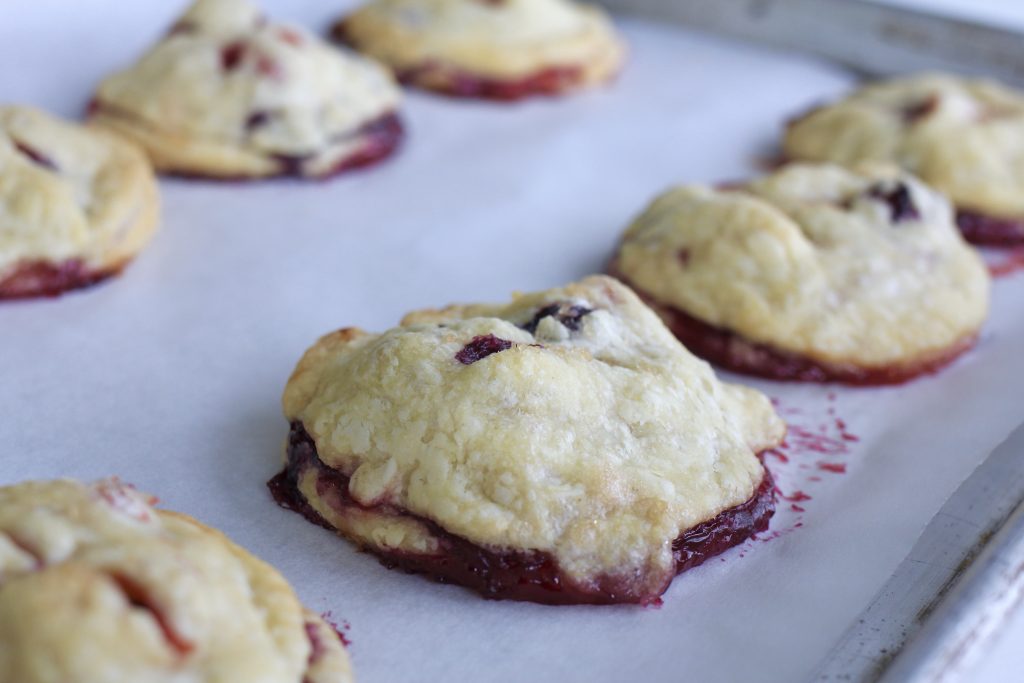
x,y
961,580
870,37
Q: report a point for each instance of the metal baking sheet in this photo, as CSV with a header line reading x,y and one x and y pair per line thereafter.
x,y
871,37
964,575
170,377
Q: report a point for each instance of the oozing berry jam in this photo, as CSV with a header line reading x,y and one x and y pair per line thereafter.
x,y
42,279
512,574
979,228
450,81
456,82
140,598
378,139
732,352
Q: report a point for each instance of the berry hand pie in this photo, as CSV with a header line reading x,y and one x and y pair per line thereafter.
x,y
495,49
813,273
76,204
227,94
96,586
963,137
563,448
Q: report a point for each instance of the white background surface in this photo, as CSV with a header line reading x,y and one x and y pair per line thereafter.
x,y
171,376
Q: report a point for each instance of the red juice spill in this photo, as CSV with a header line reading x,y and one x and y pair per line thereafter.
x,y
1009,263
341,630
803,440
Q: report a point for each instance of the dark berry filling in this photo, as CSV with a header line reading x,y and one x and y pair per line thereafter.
x,y
231,55
513,574
979,228
480,347
916,111
380,138
43,279
35,155
732,352
897,196
456,83
139,598
316,645
256,120
569,315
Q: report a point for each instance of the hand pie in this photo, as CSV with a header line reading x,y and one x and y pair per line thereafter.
x,y
813,273
97,586
563,448
227,94
76,204
494,49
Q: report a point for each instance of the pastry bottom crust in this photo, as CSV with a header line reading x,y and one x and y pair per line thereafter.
x,y
729,350
986,230
190,158
33,279
502,574
456,81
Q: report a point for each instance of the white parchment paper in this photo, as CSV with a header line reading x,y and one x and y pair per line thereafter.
x,y
171,376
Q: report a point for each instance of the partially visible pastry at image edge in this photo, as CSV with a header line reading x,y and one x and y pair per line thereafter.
x,y
813,273
228,94
562,448
97,586
964,137
494,49
76,204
